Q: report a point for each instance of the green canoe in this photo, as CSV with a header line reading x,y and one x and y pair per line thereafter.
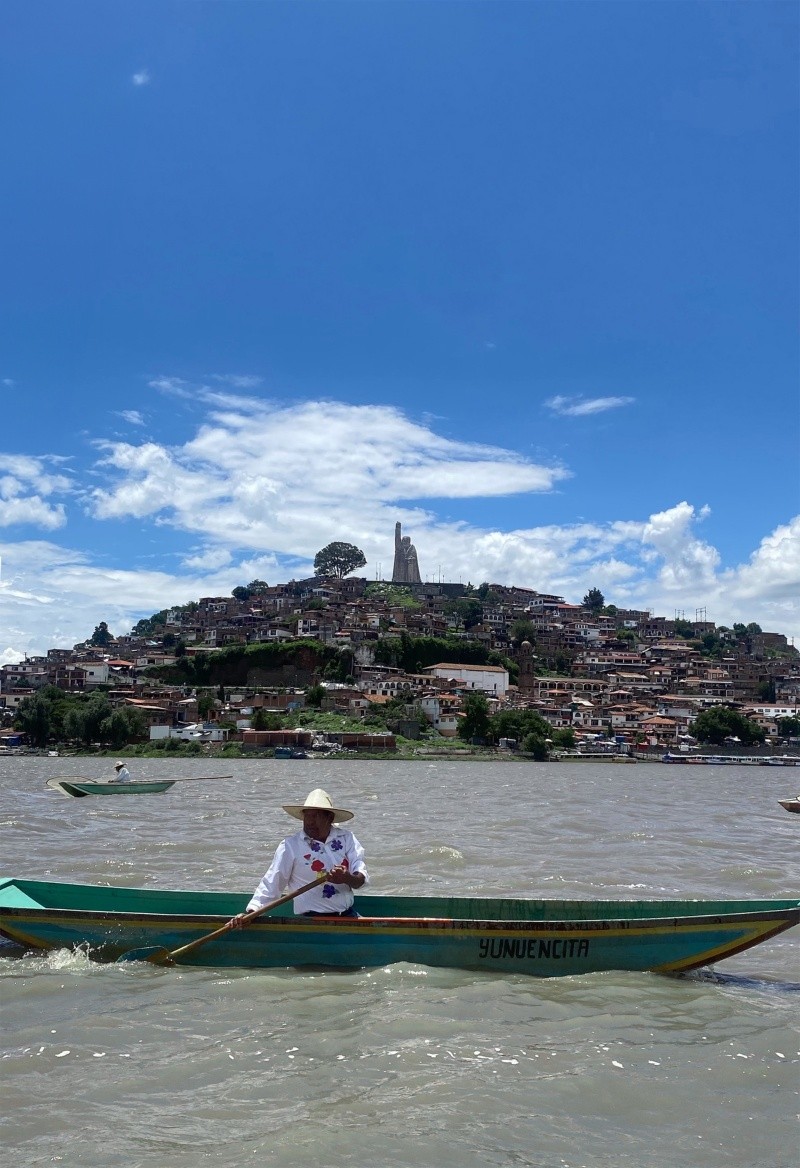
x,y
78,788
543,938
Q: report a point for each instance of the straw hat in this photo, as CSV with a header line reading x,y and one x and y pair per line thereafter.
x,y
318,800
119,764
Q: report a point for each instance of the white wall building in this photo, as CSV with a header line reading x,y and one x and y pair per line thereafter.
x,y
491,679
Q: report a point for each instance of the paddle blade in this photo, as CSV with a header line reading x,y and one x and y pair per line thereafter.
x,y
155,954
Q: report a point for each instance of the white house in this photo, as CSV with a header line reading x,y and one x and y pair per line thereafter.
x,y
491,679
442,713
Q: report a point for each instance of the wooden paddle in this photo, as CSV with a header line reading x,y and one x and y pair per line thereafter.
x,y
158,955
190,779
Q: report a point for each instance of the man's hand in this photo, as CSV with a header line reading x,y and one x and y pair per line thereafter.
x,y
342,875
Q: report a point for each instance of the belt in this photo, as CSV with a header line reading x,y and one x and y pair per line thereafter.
x,y
346,912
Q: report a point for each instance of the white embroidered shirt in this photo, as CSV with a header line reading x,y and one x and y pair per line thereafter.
x,y
298,859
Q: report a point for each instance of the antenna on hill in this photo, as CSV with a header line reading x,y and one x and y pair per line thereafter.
x,y
700,615
680,614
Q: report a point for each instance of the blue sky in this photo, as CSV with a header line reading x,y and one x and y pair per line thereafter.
x,y
523,276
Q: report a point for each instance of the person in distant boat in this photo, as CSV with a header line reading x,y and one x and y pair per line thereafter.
x,y
319,847
121,773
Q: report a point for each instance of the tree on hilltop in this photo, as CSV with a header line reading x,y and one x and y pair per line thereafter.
x,y
338,559
245,591
101,636
593,600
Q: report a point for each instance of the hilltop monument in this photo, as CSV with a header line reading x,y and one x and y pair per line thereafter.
x,y
406,568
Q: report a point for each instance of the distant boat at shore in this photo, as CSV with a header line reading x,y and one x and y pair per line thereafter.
x,y
731,759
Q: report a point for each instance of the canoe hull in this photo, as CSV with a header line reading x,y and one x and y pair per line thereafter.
x,y
78,789
790,804
666,937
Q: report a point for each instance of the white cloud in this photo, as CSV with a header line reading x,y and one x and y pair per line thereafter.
x,y
18,504
687,562
262,487
264,477
209,559
53,597
774,567
578,407
238,380
132,416
31,510
142,77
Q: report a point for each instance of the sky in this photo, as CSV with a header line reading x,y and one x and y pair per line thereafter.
x,y
521,276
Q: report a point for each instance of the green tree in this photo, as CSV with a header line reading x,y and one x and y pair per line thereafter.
x,y
34,716
684,628
487,594
265,720
593,600
116,729
101,636
314,696
469,611
148,626
711,643
522,630
789,727
720,722
535,745
96,710
339,560
84,717
565,739
520,724
766,690
74,724
241,593
476,721
205,703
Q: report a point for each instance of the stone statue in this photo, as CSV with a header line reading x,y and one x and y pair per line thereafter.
x,y
406,568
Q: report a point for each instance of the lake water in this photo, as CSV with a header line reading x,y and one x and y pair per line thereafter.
x,y
146,1067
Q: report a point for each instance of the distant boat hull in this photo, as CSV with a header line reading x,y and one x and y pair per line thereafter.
x,y
537,938
731,759
790,804
78,788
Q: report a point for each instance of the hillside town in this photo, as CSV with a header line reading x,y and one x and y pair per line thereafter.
x,y
619,679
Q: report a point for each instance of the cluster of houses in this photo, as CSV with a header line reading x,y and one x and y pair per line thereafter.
x,y
621,675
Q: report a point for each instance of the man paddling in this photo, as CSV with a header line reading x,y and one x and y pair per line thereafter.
x,y
121,773
320,847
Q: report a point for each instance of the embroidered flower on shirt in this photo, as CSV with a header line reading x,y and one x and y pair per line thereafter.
x,y
328,890
317,866
336,845
316,846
